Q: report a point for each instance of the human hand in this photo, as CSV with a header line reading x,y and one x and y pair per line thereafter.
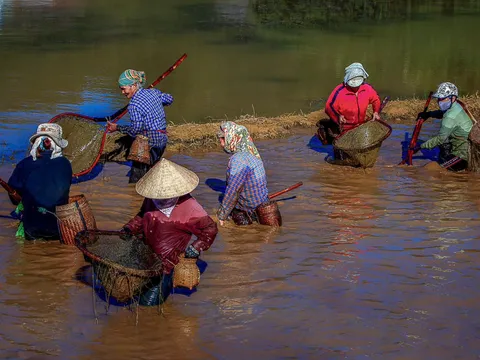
x,y
423,115
126,233
111,127
222,222
342,119
191,252
376,116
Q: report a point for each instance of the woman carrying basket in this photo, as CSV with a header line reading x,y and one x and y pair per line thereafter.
x,y
147,117
246,179
43,181
347,104
170,216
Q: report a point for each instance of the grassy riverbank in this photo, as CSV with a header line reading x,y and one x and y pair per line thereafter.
x,y
193,136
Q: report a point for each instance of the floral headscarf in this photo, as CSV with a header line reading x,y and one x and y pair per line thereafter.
x,y
237,139
130,77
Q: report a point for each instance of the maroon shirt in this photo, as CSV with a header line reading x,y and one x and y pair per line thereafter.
x,y
170,236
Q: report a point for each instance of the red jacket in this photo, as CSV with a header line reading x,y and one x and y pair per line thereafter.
x,y
353,106
169,236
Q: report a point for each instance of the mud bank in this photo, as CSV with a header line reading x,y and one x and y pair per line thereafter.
x,y
193,136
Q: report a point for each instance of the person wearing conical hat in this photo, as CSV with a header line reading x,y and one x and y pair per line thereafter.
x,y
170,216
246,179
43,181
147,117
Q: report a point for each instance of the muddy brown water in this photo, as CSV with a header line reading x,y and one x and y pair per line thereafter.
x,y
378,264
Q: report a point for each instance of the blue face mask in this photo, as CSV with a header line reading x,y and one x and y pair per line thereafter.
x,y
445,105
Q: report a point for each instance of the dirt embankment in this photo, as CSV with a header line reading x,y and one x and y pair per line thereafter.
x,y
191,136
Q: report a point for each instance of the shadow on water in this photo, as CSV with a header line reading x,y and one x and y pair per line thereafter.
x,y
426,154
218,186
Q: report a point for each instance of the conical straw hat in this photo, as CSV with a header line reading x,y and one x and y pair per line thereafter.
x,y
166,180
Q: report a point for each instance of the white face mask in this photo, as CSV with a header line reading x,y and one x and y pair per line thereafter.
x,y
355,82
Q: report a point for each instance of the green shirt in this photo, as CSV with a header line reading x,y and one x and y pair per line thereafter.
x,y
456,126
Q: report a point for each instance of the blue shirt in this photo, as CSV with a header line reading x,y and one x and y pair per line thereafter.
x,y
42,183
147,116
247,181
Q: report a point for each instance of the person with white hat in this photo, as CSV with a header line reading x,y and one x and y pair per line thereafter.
x,y
43,181
347,105
455,128
170,216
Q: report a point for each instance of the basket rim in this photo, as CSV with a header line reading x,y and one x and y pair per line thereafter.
x,y
129,271
365,148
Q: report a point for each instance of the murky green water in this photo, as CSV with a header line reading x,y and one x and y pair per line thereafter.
x,y
265,57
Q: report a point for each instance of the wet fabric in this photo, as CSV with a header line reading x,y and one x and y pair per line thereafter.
x,y
147,116
44,183
130,77
455,128
170,236
246,184
352,105
237,139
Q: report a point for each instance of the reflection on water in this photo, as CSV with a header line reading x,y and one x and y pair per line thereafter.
x,y
376,264
66,55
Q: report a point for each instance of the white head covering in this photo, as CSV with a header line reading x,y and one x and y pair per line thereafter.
x,y
356,73
56,150
53,131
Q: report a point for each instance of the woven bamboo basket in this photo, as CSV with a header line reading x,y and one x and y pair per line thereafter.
x,y
140,150
124,267
363,142
269,214
73,218
186,273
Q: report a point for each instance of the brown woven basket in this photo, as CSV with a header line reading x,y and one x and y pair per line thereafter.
x,y
186,273
363,142
140,150
121,282
474,148
74,217
269,214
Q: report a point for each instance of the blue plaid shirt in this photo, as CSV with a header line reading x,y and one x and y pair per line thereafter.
x,y
147,116
247,181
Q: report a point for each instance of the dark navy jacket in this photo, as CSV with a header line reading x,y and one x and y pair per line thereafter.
x,y
42,183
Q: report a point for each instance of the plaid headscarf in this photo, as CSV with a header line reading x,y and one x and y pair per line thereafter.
x,y
237,139
130,77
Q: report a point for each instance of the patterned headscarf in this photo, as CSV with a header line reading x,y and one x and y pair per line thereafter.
x,y
130,77
237,139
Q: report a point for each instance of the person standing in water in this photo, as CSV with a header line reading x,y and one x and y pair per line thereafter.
x,y
456,126
147,117
347,104
43,180
246,179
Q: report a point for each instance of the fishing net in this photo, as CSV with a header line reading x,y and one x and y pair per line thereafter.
x,y
85,142
88,144
124,265
363,142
